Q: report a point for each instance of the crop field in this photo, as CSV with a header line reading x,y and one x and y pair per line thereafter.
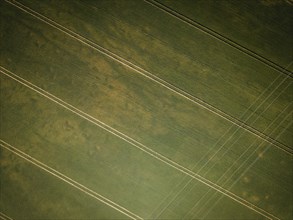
x,y
146,109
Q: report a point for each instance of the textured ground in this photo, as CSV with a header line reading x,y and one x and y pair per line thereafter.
x,y
137,109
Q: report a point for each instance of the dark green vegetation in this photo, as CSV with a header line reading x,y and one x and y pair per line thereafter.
x,y
143,110
268,23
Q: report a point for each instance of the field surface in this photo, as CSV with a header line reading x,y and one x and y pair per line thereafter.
x,y
116,109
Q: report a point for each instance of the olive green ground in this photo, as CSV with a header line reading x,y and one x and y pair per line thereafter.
x,y
180,54
89,155
158,118
263,26
27,192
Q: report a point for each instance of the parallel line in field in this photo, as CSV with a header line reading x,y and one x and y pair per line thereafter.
x,y
231,135
5,217
246,163
153,78
69,181
210,32
135,143
242,164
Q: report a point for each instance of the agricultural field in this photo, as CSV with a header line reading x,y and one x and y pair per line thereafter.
x,y
115,109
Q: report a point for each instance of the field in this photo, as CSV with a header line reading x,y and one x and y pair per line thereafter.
x,y
146,109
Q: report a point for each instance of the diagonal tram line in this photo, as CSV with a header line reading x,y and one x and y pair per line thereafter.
x,y
153,77
288,107
242,164
4,216
136,144
246,169
68,180
218,36
234,132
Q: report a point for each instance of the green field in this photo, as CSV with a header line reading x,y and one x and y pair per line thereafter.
x,y
103,123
